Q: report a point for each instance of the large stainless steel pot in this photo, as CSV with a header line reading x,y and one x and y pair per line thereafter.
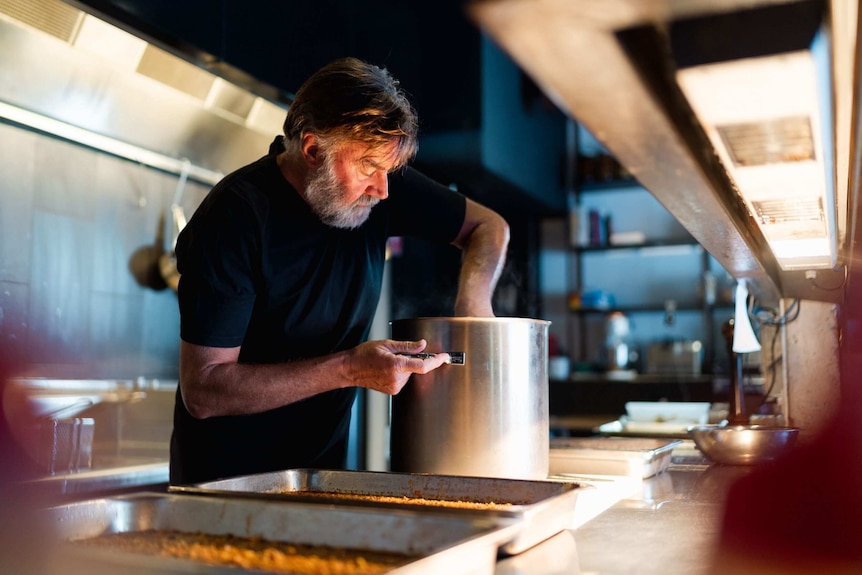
x,y
486,417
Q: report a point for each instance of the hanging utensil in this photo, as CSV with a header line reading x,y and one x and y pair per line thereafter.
x,y
736,441
168,260
736,406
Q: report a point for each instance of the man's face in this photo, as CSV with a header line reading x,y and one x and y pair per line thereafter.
x,y
350,180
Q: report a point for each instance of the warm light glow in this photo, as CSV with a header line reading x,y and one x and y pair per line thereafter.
x,y
764,118
799,249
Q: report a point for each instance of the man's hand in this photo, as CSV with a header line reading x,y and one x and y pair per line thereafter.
x,y
380,365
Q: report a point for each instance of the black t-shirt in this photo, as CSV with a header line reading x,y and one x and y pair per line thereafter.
x,y
259,270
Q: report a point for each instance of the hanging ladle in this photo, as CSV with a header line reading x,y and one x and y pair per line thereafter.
x,y
168,260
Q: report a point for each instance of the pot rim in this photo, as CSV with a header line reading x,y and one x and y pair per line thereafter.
x,y
741,428
472,320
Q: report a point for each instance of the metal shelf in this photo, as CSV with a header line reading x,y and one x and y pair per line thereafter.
x,y
642,308
646,245
609,185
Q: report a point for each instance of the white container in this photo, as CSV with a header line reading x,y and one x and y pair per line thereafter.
x,y
628,457
559,367
682,412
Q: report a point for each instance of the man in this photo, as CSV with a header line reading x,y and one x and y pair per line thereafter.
x,y
281,269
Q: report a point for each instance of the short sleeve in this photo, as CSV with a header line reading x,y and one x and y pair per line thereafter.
x,y
424,208
216,258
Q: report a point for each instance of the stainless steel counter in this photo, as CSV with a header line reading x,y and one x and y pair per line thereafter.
x,y
667,526
95,482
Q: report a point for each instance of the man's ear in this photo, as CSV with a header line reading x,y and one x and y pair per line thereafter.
x,y
311,149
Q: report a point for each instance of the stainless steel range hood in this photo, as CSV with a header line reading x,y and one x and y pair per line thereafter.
x,y
615,65
75,76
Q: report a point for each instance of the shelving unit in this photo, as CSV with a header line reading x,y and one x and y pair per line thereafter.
x,y
657,283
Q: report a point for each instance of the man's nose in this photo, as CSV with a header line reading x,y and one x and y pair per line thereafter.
x,y
379,188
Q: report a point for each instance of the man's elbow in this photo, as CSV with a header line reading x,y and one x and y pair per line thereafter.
x,y
196,405
504,232
495,231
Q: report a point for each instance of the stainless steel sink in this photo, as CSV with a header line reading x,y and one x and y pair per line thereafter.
x,y
130,420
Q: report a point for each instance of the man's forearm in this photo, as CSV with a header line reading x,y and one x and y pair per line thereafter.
x,y
214,383
222,388
482,263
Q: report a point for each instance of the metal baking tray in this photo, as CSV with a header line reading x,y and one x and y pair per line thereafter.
x,y
444,543
541,509
627,456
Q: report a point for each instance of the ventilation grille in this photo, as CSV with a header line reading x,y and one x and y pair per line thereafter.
x,y
228,98
50,16
771,142
785,211
176,73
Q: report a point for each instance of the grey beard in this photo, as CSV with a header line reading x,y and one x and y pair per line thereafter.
x,y
324,193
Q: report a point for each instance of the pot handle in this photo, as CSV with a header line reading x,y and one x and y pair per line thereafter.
x,y
455,357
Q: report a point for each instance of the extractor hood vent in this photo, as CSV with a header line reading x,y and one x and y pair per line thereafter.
x,y
50,16
215,94
175,72
107,89
225,98
114,48
789,211
773,141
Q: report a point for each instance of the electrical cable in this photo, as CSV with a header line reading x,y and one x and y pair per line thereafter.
x,y
770,317
812,279
771,367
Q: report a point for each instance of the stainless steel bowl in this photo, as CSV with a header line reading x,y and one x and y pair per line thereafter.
x,y
743,444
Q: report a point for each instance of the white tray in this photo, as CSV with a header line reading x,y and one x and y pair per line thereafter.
x,y
630,457
626,428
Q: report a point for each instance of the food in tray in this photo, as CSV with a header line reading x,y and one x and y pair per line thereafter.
x,y
251,552
402,500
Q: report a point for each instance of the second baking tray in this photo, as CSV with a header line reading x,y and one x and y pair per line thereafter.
x,y
540,509
630,457
435,543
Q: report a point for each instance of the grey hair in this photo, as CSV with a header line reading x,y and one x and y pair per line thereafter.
x,y
351,100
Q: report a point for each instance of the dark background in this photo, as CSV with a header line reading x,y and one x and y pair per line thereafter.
x,y
430,46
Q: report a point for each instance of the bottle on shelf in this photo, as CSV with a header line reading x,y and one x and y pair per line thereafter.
x,y
617,353
596,228
579,225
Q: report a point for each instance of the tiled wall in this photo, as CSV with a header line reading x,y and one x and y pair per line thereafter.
x,y
80,232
